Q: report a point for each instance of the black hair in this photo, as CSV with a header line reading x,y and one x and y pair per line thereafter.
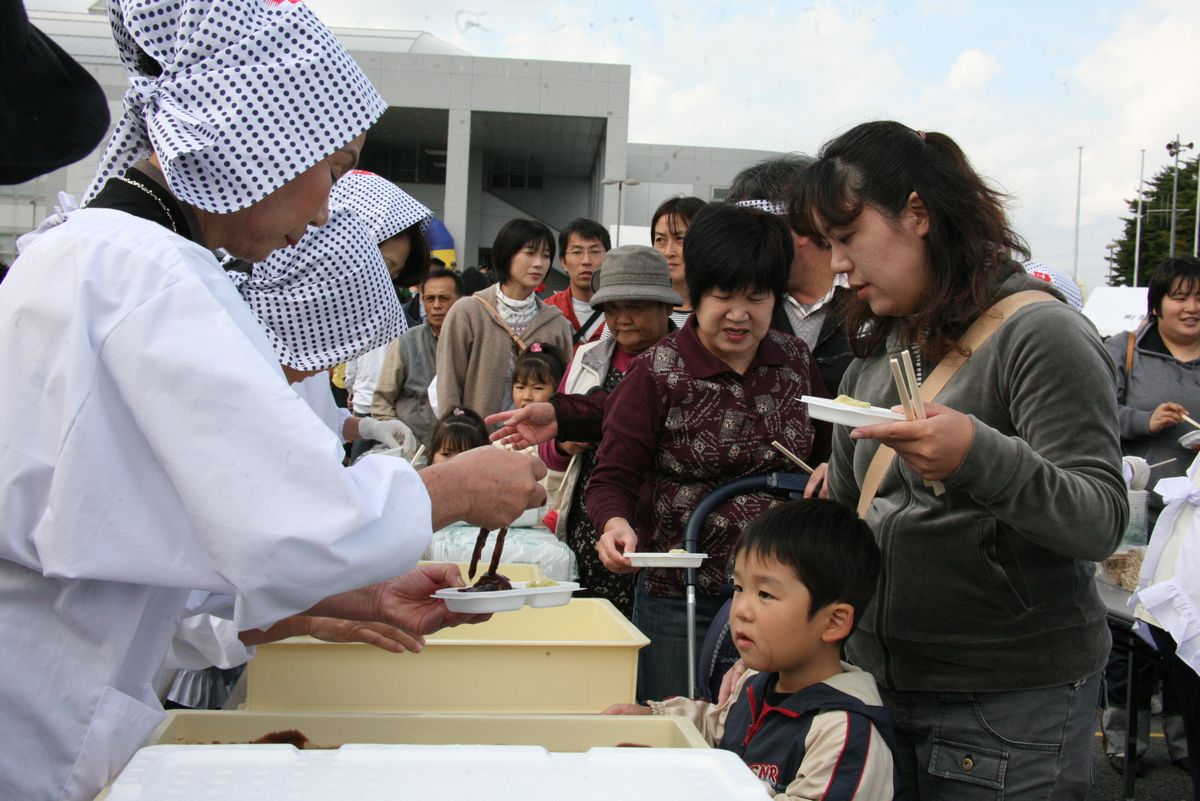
x,y
442,272
435,263
971,245
474,279
1184,269
515,236
769,179
416,266
459,429
680,207
586,230
733,248
539,364
831,551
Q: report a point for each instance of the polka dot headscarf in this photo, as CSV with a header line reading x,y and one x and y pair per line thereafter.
x,y
1060,281
384,207
327,299
252,93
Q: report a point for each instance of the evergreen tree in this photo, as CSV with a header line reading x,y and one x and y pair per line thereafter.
x,y
1156,224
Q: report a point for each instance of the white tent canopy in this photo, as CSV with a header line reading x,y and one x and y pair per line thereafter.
x,y
1113,309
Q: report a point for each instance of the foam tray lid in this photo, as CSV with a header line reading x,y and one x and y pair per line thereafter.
x,y
419,772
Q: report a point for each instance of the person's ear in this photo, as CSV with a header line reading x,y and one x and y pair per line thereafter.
x,y
916,206
839,622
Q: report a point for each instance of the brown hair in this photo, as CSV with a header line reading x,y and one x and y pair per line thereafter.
x,y
970,242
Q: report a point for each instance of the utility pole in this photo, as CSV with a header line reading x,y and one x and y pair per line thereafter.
x,y
1174,149
1078,195
1137,239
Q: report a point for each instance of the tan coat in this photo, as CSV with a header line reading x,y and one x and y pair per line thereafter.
x,y
475,354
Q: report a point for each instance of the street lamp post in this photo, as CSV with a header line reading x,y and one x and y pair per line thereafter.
x,y
1174,149
621,184
1137,239
1112,247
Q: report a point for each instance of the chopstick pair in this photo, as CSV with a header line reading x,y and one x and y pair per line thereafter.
x,y
910,399
777,445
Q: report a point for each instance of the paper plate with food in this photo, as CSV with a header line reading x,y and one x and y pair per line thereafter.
x,y
673,558
846,411
493,592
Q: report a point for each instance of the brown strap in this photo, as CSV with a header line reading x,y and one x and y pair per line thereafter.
x,y
979,332
520,343
1129,353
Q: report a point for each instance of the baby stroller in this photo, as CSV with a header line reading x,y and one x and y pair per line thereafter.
x,y
719,654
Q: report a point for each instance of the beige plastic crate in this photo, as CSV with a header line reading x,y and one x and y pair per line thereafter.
x,y
562,733
579,658
513,571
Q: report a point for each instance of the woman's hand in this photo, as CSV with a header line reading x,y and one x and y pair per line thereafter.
x,y
1166,415
531,425
628,709
730,680
574,448
618,537
817,486
934,448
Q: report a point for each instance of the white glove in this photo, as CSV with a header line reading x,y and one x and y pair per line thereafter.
x,y
392,433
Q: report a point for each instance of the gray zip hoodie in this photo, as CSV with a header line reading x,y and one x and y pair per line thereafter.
x,y
990,586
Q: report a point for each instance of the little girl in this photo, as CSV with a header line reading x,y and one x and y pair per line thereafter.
x,y
459,430
536,375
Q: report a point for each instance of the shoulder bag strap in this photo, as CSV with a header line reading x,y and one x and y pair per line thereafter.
x,y
979,332
520,343
1129,353
579,334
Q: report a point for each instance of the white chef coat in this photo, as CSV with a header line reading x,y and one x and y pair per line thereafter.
x,y
362,376
318,394
152,454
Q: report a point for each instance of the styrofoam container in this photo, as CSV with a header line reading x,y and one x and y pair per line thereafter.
x,y
279,772
648,559
507,600
847,415
581,657
569,733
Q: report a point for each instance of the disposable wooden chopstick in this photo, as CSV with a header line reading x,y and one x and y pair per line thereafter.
x,y
914,409
1160,464
911,374
902,388
1187,419
417,456
779,447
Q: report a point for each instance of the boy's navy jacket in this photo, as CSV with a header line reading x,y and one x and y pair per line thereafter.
x,y
772,740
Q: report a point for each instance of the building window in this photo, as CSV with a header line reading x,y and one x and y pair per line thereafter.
x,y
719,193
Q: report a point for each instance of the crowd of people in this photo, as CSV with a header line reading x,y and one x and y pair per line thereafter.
x,y
923,624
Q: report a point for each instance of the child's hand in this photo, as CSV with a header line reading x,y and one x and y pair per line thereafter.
x,y
628,709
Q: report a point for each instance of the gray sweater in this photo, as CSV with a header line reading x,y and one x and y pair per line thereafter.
x,y
990,586
1156,378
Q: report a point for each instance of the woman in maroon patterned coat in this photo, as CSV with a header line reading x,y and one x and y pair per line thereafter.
x,y
697,410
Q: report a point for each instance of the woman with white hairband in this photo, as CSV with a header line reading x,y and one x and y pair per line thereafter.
x,y
154,463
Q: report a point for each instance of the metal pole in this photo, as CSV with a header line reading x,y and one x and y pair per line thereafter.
x,y
1078,195
1196,233
1174,195
1137,240
620,190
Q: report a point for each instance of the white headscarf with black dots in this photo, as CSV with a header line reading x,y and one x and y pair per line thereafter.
x,y
252,93
328,298
384,207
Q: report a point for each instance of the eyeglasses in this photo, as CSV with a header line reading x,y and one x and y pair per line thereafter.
x,y
595,253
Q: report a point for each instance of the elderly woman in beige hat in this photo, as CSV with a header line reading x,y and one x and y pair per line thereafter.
x,y
633,289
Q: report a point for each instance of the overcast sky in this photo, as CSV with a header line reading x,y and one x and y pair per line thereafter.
x,y
1020,85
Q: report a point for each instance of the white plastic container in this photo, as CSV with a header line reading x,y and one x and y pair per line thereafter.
x,y
418,773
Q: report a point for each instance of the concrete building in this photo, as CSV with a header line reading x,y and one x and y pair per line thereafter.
x,y
478,140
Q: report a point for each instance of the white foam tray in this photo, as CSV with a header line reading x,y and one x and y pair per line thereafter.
x,y
426,772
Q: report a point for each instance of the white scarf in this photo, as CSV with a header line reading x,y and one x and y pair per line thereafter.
x,y
517,313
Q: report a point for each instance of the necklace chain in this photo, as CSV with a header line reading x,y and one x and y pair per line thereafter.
x,y
157,199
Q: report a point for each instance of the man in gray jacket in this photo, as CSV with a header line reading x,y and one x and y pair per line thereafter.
x,y
411,361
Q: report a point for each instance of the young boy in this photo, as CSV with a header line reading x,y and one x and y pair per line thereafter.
x,y
809,725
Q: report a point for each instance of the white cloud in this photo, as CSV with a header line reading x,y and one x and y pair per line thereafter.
x,y
972,70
